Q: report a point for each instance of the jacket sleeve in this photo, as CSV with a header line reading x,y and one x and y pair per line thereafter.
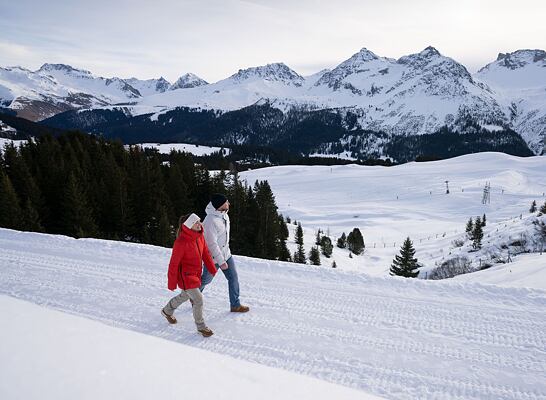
x,y
207,259
172,275
211,238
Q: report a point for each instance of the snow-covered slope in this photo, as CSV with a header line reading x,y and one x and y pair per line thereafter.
x,y
149,86
519,80
247,86
71,357
58,87
388,204
415,94
393,337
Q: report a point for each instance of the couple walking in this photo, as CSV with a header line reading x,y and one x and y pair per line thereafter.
x,y
197,243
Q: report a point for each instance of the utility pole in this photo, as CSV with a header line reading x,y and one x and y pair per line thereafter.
x,y
486,199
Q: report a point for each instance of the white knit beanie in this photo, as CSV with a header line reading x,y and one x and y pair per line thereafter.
x,y
192,219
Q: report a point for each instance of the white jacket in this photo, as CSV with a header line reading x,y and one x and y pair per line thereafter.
x,y
216,226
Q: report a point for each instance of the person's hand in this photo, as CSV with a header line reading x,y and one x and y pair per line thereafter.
x,y
224,266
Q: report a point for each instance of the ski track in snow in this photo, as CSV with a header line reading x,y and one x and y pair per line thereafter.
x,y
401,339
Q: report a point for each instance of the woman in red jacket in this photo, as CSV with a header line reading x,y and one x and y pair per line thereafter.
x,y
185,268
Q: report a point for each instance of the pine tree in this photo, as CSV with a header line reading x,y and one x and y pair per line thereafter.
x,y
31,218
469,228
355,241
284,253
342,241
533,207
10,210
314,256
299,255
21,178
484,221
76,216
405,264
269,230
317,240
326,246
334,265
477,234
543,209
163,234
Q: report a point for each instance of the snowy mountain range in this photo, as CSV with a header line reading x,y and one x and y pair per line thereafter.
x,y
413,95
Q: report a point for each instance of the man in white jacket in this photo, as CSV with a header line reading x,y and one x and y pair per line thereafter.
x,y
216,226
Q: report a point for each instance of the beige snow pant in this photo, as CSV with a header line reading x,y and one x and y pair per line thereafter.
x,y
196,297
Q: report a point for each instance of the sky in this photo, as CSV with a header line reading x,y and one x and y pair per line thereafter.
x,y
214,39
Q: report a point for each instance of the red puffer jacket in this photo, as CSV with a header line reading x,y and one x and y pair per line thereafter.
x,y
186,266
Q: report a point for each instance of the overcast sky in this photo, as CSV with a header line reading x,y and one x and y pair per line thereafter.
x,y
213,39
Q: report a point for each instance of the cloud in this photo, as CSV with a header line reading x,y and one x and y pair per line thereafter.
x,y
215,38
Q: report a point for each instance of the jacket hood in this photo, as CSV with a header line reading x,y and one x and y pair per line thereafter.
x,y
210,210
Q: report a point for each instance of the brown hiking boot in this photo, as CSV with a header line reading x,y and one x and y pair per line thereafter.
x,y
170,318
206,332
241,309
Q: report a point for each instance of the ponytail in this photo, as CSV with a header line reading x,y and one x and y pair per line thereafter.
x,y
181,221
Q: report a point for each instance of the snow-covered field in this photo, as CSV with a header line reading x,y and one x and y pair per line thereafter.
x,y
197,150
392,337
388,204
70,357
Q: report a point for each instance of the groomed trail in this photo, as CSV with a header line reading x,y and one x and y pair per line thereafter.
x,y
392,337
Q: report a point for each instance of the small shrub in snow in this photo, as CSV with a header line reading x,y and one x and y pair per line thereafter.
x,y
452,267
458,243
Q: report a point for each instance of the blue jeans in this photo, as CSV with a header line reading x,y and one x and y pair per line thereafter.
x,y
232,278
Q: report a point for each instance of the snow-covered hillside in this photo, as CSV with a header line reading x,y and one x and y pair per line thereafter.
x,y
388,204
4,142
165,148
393,337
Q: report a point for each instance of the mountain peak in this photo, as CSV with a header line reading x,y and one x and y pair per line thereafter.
x,y
521,58
422,58
188,81
67,69
270,72
365,55
430,51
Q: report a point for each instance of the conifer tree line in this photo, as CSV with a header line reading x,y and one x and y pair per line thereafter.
x,y
85,186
